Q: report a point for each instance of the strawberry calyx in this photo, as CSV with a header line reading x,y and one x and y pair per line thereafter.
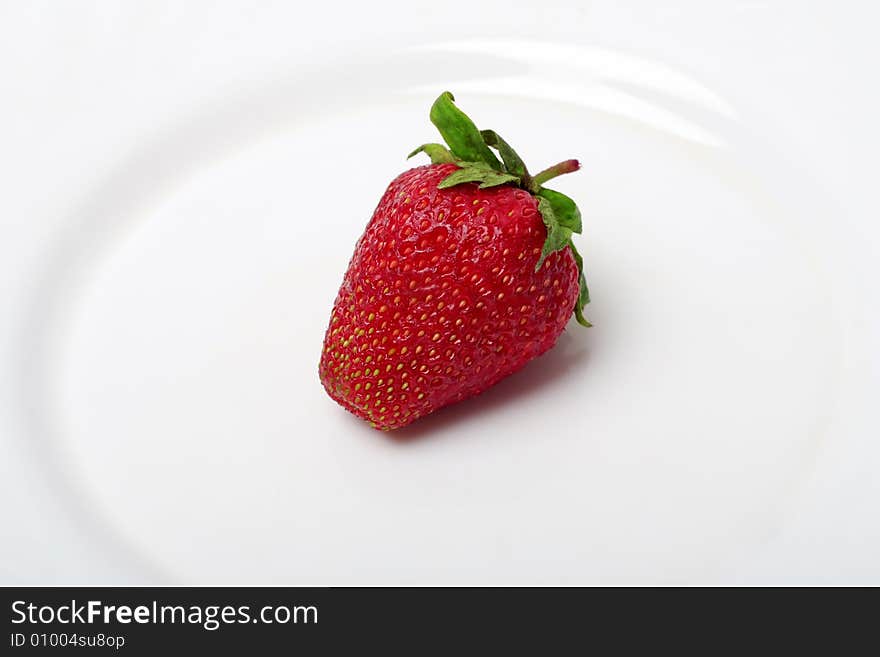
x,y
474,152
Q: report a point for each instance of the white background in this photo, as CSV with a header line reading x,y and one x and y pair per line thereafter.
x,y
173,235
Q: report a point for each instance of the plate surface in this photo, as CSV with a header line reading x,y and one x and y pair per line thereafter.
x,y
174,330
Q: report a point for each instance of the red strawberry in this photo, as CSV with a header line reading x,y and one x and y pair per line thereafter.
x,y
465,273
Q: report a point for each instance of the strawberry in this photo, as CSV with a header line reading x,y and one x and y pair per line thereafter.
x,y
465,273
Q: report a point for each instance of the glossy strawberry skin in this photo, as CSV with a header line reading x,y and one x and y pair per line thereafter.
x,y
441,299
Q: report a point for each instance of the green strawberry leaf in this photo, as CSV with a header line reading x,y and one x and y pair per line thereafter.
x,y
562,218
579,310
476,172
564,209
558,235
460,133
494,179
438,153
584,295
512,162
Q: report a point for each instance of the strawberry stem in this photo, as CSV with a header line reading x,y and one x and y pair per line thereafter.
x,y
568,166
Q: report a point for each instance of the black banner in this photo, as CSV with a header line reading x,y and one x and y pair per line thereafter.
x,y
264,620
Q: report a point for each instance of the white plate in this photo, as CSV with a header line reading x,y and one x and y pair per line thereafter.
x,y
173,332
